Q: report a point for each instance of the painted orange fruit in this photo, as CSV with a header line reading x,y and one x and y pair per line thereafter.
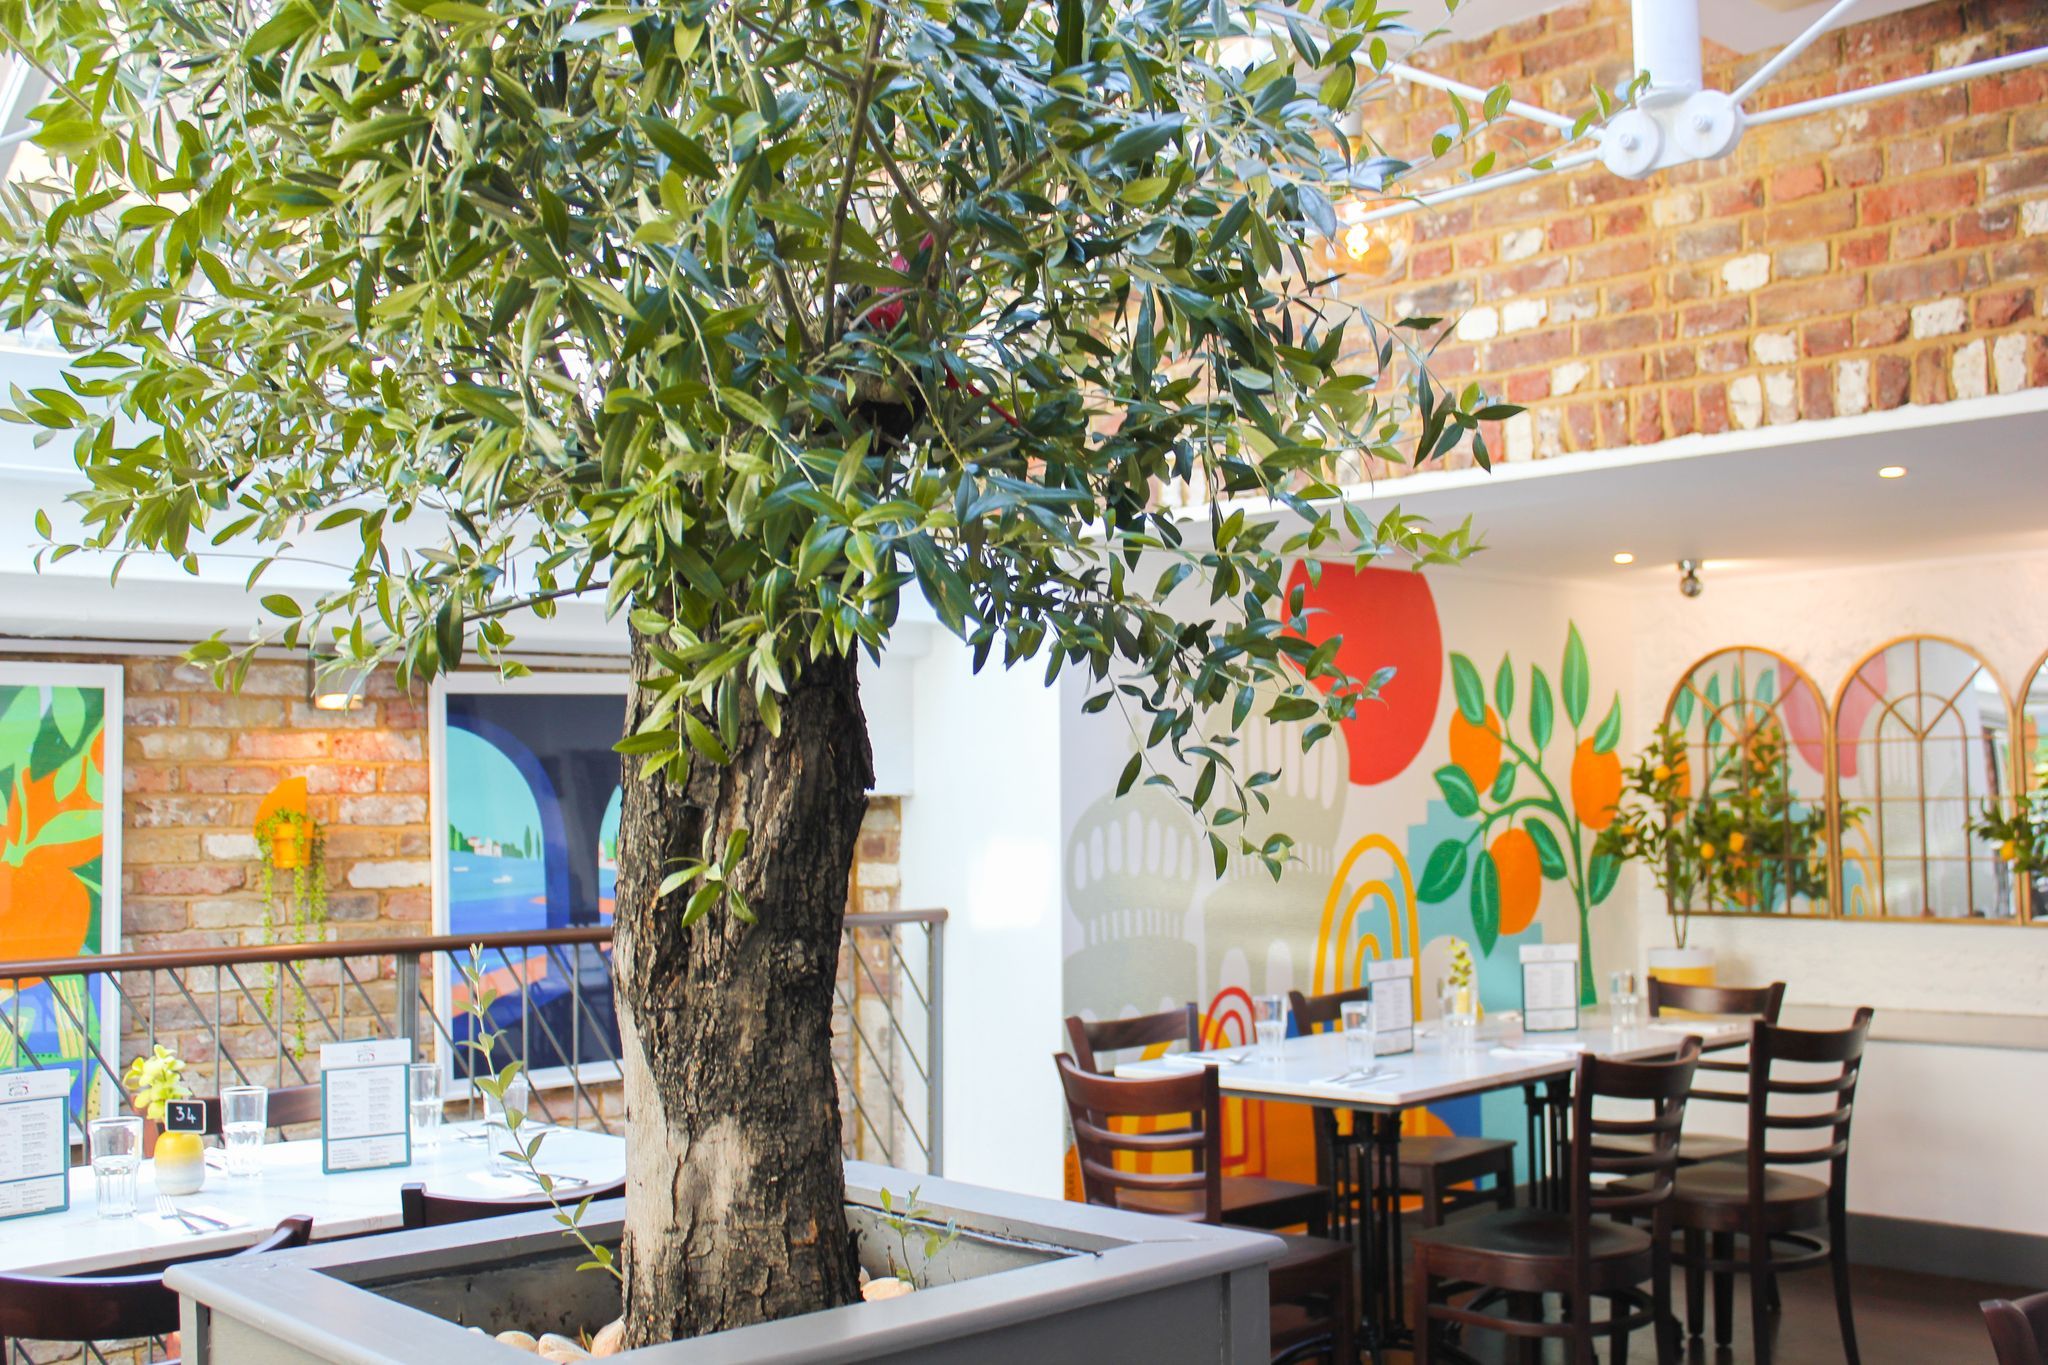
x,y
44,909
1476,748
1521,879
1596,786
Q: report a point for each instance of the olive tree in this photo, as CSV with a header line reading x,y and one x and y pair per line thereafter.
x,y
752,318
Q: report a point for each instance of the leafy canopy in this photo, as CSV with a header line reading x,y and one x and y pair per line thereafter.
x,y
752,315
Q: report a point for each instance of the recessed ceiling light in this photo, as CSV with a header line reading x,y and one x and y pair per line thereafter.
x,y
1892,471
1624,558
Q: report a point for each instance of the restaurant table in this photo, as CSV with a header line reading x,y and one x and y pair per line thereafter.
x,y
78,1241
1541,1063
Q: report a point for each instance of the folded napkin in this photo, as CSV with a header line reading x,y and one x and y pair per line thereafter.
x,y
1539,1050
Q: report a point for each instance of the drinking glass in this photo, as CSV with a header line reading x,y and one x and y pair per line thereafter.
x,y
1358,1035
426,1104
244,1118
498,1138
1269,1024
1459,1014
1623,1004
116,1153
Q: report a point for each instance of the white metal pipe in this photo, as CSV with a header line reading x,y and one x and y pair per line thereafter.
x,y
1401,71
1666,34
1763,74
1928,81
1484,185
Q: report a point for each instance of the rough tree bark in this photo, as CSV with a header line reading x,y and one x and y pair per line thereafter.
x,y
734,1207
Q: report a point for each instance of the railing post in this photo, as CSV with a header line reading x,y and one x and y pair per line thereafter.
x,y
935,1032
408,1012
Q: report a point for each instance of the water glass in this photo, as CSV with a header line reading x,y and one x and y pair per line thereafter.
x,y
244,1119
1358,1035
116,1154
1458,1012
498,1136
426,1104
1624,1005
1269,1025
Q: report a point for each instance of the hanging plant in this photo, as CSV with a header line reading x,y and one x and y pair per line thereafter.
x,y
292,841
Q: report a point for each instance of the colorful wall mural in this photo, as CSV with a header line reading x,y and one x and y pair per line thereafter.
x,y
529,815
1447,812
58,727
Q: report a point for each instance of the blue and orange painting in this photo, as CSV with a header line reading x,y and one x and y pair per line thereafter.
x,y
532,813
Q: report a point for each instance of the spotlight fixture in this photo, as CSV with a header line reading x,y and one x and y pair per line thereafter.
x,y
1689,583
1892,471
338,690
1624,557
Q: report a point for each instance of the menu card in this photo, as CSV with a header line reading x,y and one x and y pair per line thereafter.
x,y
1393,1005
1550,987
365,1124
35,1155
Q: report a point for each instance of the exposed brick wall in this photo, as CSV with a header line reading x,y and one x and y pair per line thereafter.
x,y
1850,262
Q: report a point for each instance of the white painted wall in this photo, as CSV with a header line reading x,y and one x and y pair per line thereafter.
x,y
1825,622
981,838
1935,1125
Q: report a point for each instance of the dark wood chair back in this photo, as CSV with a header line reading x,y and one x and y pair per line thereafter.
x,y
1184,1115
288,1106
110,1307
419,1209
1762,1001
1815,1136
2019,1329
1088,1038
1651,1175
1314,1013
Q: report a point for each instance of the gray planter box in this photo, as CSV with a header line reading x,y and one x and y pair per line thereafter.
x,y
1028,1281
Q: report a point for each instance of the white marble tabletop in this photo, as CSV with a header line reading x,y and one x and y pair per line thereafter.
x,y
1310,1067
78,1241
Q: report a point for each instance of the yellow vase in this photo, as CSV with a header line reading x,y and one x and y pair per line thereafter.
x,y
180,1163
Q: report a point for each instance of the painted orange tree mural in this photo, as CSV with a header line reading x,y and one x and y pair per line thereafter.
x,y
51,820
1524,831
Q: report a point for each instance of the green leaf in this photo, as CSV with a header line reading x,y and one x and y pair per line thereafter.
x,y
1541,717
1070,45
1575,677
1470,692
1601,875
598,23
1130,773
1459,793
1503,783
1141,140
277,604
1444,871
1549,853
1485,902
291,23
1609,733
1504,690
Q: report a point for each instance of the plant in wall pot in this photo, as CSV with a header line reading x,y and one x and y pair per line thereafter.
x,y
2020,837
748,320
291,841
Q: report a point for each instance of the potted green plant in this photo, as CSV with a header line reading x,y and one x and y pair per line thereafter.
x,y
2020,836
289,840
1659,825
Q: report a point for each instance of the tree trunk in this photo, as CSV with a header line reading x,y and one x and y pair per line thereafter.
x,y
734,1209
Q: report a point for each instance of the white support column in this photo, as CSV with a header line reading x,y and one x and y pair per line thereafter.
x,y
1667,43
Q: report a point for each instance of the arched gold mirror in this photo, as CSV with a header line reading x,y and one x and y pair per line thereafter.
x,y
2032,752
1755,730
1922,748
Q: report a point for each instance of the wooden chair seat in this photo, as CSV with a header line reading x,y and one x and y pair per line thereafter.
x,y
1530,1251
1312,1271
419,1209
1248,1201
1714,1197
1451,1157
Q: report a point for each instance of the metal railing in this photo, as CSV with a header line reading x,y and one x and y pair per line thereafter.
x,y
257,1015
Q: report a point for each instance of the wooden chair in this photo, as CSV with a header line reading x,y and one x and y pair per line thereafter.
x,y
1522,1254
1310,1285
2019,1329
418,1209
288,1106
1766,1205
1762,1001
1444,1172
110,1307
1248,1201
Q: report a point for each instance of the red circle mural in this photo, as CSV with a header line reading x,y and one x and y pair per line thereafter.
x,y
1388,619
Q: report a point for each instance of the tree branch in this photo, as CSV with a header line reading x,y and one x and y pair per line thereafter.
x,y
861,99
